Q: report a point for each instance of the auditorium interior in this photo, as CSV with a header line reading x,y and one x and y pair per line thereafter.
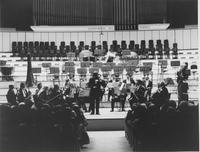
x,y
99,75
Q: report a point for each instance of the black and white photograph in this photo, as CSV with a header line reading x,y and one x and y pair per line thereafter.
x,y
99,75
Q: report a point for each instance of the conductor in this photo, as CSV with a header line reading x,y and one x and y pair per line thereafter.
x,y
96,86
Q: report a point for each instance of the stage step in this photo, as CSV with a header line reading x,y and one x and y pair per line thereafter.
x,y
106,124
106,121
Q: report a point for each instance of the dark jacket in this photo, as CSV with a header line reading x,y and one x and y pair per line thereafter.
x,y
11,97
20,96
95,85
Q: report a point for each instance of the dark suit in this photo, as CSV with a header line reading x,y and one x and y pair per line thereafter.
x,y
11,97
95,93
21,97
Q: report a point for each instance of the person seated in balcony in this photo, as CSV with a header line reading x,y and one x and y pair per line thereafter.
x,y
11,96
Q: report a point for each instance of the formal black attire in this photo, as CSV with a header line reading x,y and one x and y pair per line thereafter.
x,y
95,84
24,96
11,97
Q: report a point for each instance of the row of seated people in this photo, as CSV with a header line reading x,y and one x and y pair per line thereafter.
x,y
51,122
162,125
118,91
44,49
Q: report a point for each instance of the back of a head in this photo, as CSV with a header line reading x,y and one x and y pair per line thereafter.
x,y
183,106
56,87
11,87
22,85
172,103
39,86
140,111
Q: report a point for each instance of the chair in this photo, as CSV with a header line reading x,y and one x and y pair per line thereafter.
x,y
114,42
137,49
81,43
14,48
67,48
143,44
52,43
62,43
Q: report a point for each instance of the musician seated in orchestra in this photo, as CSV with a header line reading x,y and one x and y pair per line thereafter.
x,y
116,93
67,87
138,96
56,96
148,85
24,96
123,94
42,98
110,89
11,96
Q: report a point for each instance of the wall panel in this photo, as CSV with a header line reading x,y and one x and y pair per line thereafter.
x,y
155,36
44,37
1,42
13,36
170,37
126,36
67,38
81,36
111,37
29,36
140,35
186,39
179,38
163,35
194,39
74,37
6,42
21,36
52,37
147,37
59,38
37,36
105,36
118,37
133,36
96,37
89,38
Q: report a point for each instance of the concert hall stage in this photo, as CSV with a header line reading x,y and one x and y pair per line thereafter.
x,y
107,120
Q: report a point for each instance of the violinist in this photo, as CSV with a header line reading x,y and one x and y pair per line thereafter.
x,y
57,96
42,98
138,96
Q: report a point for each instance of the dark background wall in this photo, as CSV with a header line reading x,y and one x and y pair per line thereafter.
x,y
124,14
16,14
182,12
